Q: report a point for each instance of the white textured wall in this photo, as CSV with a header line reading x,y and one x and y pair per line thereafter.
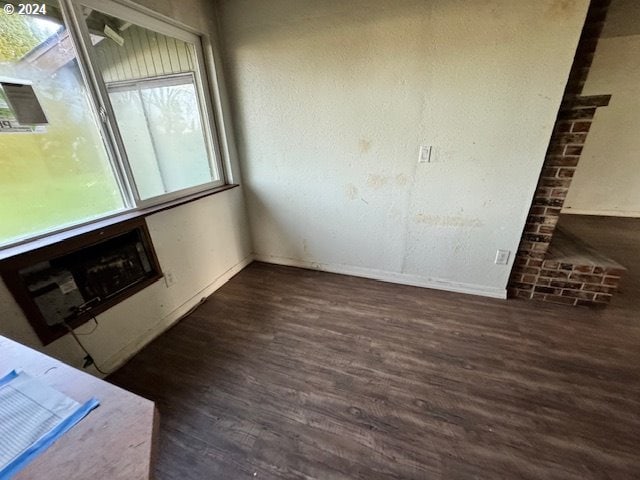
x,y
607,180
201,243
332,100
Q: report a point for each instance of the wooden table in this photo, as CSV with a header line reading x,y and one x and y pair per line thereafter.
x,y
115,441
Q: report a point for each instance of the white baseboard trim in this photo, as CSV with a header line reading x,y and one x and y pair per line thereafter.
x,y
391,277
123,355
600,213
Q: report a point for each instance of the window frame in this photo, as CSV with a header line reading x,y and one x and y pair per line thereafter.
x,y
100,94
168,80
207,88
172,79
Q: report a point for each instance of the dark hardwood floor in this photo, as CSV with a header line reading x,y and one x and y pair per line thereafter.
x,y
619,239
295,374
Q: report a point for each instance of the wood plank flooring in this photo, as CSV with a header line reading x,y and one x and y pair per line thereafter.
x,y
619,239
295,374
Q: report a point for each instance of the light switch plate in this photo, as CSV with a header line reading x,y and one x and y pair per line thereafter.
x,y
425,154
502,257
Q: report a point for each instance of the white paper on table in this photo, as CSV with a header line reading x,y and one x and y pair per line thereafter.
x,y
28,409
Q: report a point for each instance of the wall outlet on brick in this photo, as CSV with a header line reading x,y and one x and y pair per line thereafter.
x,y
502,257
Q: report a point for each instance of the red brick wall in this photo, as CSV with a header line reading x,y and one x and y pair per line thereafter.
x,y
569,135
529,277
568,283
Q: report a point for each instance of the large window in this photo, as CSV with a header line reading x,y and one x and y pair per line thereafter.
x,y
122,117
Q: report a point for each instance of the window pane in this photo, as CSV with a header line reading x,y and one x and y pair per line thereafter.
x,y
161,128
140,146
58,173
151,79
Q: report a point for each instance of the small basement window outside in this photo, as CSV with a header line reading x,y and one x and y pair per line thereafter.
x,y
125,118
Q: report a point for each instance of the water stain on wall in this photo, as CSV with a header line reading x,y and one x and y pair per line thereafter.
x,y
351,191
401,179
561,9
447,220
376,181
364,145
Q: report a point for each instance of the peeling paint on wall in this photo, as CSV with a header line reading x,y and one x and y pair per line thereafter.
x,y
447,220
